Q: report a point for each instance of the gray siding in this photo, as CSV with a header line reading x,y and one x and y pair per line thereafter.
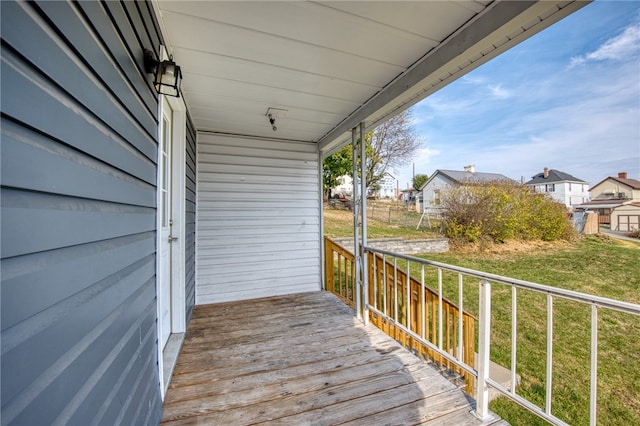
x,y
79,340
190,220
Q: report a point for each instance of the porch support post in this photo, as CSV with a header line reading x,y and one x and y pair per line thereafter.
x,y
363,211
359,205
355,206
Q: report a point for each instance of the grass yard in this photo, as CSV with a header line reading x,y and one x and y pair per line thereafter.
x,y
596,265
339,223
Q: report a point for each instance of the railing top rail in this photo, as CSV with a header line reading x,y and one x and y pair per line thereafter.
x,y
631,308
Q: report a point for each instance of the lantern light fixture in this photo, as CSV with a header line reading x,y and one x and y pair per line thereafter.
x,y
167,75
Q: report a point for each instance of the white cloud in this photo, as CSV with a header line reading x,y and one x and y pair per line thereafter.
x,y
497,91
617,48
576,61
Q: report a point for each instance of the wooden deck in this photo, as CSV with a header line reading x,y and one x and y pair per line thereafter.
x,y
303,359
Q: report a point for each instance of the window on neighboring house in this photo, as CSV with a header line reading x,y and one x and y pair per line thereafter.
x,y
569,187
436,197
551,187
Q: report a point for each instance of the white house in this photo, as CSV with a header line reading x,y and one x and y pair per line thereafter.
x,y
442,179
345,186
388,187
561,186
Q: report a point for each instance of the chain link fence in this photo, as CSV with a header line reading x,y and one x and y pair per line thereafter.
x,y
401,217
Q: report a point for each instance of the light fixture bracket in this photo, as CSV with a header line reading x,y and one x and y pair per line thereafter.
x,y
272,114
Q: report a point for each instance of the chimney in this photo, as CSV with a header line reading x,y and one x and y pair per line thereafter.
x,y
470,168
622,175
546,172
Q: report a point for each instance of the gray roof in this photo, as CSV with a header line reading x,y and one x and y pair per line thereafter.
x,y
463,176
554,177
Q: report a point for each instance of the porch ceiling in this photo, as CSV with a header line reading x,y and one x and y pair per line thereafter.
x,y
331,65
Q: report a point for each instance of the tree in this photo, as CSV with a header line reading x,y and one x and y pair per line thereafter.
x,y
388,147
419,181
334,166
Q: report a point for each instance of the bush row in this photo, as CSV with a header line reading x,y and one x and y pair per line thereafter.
x,y
502,211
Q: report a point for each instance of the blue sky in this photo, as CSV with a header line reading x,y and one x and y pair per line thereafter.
x,y
567,98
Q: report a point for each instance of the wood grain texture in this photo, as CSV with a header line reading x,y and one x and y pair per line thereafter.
x,y
303,359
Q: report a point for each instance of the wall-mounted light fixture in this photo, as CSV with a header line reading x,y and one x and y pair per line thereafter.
x,y
167,75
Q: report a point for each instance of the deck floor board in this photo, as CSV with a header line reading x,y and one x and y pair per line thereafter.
x,y
303,359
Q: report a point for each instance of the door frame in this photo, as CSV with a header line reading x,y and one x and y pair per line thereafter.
x,y
178,247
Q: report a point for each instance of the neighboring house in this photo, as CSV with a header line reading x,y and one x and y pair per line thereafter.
x,y
616,188
561,186
387,187
617,202
440,180
345,186
408,196
105,182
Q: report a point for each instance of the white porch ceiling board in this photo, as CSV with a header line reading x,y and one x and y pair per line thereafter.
x,y
230,123
319,118
235,69
259,125
224,39
475,6
318,25
431,19
296,121
274,95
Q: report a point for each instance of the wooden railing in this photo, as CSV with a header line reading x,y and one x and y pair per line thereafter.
x,y
411,320
340,272
412,312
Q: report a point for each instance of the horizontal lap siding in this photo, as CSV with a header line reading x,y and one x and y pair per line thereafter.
x,y
190,220
79,340
258,222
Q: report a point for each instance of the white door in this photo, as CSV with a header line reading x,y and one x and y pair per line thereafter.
x,y
165,222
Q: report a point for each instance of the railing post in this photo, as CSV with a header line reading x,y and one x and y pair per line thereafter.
x,y
329,273
593,394
484,345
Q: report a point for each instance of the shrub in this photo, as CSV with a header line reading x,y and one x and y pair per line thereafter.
x,y
501,211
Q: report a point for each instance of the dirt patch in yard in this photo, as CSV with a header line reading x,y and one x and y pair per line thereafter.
x,y
507,249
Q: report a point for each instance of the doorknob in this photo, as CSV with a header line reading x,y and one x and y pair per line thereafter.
x,y
172,239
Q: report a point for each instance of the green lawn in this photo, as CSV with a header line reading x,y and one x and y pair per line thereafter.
x,y
594,265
